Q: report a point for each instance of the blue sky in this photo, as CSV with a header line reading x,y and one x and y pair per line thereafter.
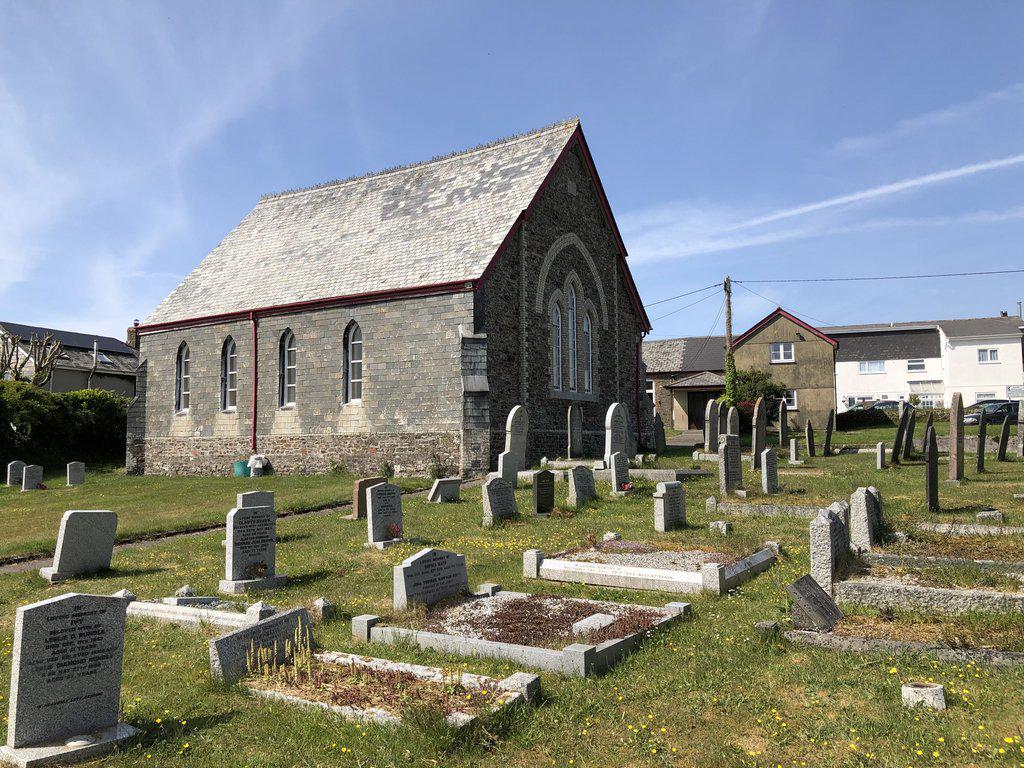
x,y
758,139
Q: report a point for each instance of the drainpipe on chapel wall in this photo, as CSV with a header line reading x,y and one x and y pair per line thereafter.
x,y
640,388
255,375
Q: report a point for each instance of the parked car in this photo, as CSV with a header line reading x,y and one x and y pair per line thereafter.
x,y
884,405
993,411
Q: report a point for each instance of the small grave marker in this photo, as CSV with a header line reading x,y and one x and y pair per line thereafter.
x,y
809,438
669,506
15,471
1004,439
499,500
830,426
581,486
230,654
76,473
620,472
543,492
384,516
982,436
769,471
429,576
85,544
880,456
445,490
931,471
31,477
956,438
813,608
359,498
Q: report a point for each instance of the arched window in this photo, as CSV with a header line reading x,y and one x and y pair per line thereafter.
x,y
287,370
571,304
556,346
182,380
353,364
588,353
229,375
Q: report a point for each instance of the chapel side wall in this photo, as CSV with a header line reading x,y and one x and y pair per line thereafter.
x,y
518,325
412,400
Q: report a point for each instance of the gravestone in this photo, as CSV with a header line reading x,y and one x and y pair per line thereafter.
x,y
508,468
619,472
896,456
517,428
931,470
880,456
429,576
982,437
359,491
31,477
830,547
499,501
908,437
15,470
574,417
543,492
274,638
669,506
66,680
794,451
956,438
1004,439
384,516
733,421
711,419
783,423
758,432
769,471
723,424
445,490
813,608
1020,427
927,423
614,432
581,486
251,547
76,473
85,544
830,425
809,438
730,465
659,434
865,519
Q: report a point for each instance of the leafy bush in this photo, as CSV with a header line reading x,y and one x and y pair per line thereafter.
x,y
387,469
861,419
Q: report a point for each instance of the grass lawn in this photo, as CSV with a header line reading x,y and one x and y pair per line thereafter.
x,y
706,692
29,521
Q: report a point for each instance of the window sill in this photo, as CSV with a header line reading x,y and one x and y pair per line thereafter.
x,y
568,394
782,362
289,407
352,402
870,373
989,362
181,413
229,411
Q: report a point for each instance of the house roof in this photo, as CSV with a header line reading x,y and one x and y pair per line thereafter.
x,y
889,344
692,353
699,380
956,328
776,313
429,227
69,339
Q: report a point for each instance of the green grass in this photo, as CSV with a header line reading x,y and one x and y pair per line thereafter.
x,y
705,692
147,505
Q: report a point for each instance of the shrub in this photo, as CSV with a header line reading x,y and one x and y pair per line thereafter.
x,y
861,419
387,469
439,468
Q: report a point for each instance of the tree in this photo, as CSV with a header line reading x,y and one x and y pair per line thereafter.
x,y
752,384
15,360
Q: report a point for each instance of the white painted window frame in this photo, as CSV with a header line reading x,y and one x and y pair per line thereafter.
x,y
782,352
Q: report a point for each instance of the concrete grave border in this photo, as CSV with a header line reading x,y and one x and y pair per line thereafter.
x,y
856,644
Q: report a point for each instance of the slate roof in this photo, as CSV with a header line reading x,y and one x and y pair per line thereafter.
x,y
68,338
957,328
432,223
889,344
693,353
704,379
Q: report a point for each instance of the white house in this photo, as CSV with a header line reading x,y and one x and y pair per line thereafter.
x,y
979,357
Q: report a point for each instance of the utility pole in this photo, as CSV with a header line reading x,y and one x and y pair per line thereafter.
x,y
730,364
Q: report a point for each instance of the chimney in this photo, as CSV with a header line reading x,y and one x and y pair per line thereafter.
x,y
1003,313
132,339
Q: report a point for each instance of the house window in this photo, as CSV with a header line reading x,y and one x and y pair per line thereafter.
x,y
985,396
988,355
930,401
556,347
287,368
872,366
588,353
229,375
783,352
650,390
791,403
182,380
353,364
571,305
868,399
915,365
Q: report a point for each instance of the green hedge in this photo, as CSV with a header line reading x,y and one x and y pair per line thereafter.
x,y
51,428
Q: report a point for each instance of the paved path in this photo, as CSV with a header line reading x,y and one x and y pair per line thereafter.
x,y
689,438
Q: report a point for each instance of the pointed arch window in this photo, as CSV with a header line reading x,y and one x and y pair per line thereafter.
x,y
556,346
182,380
353,363
229,375
288,370
588,353
571,306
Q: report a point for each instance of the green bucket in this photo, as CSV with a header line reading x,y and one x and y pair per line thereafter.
x,y
241,469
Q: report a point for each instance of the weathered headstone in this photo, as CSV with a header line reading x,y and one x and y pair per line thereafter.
x,y
499,501
581,486
384,525
783,423
813,608
445,490
908,437
931,470
730,465
429,576
1004,439
927,423
76,473
758,432
85,544
31,477
723,424
830,425
620,472
232,655
982,439
865,520
574,419
66,680
829,548
508,468
769,471
15,470
711,420
614,432
517,429
956,438
1020,427
359,491
669,506
543,492
896,455
809,438
733,421
251,547
659,434
794,451
880,456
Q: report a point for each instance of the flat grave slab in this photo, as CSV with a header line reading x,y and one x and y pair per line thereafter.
x,y
217,613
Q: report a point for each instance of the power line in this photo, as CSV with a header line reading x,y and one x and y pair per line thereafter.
x,y
882,277
788,309
686,306
681,295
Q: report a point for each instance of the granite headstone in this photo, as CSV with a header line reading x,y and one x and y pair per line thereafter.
x,y
581,486
669,506
956,438
429,576
813,608
384,515
543,492
445,490
85,544
499,501
76,473
15,470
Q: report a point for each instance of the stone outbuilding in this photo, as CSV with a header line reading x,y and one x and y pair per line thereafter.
x,y
399,317
682,376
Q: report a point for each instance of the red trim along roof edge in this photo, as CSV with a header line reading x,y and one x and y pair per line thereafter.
x,y
780,312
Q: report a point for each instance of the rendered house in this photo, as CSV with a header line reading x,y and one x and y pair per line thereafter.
x,y
400,316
